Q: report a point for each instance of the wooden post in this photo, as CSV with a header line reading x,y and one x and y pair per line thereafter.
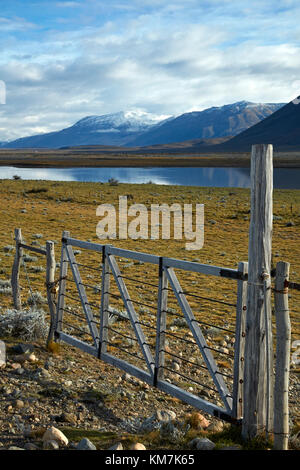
x,y
161,324
283,345
104,306
15,286
239,346
256,373
62,286
51,288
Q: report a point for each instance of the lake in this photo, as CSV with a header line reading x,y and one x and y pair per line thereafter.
x,y
284,178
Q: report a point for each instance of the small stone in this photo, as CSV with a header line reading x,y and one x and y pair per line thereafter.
x,y
32,358
30,446
68,418
290,224
85,444
16,365
165,415
138,446
175,366
50,445
215,427
23,348
19,404
117,446
202,444
54,434
2,354
197,421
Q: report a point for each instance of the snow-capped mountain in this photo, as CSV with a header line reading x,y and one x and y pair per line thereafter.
x,y
138,128
227,120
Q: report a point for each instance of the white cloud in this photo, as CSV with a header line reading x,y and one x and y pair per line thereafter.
x,y
165,59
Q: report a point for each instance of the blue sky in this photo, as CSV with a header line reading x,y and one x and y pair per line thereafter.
x,y
63,60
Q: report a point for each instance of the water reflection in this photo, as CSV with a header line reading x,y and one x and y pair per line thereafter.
x,y
214,177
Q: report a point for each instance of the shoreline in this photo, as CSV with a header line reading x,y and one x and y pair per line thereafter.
x,y
63,159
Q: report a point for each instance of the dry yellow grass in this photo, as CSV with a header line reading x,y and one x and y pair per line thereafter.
x,y
47,208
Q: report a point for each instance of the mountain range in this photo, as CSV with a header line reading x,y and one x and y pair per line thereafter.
x,y
133,129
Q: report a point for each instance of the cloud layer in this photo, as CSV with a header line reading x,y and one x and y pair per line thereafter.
x,y
65,60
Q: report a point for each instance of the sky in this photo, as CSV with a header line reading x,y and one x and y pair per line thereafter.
x,y
63,60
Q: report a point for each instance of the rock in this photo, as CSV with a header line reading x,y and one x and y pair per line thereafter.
x,y
23,348
30,446
2,354
164,415
15,365
215,427
138,446
68,418
290,224
117,446
15,448
85,444
198,421
19,404
50,445
202,444
54,434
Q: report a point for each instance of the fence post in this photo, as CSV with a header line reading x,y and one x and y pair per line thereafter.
x,y
15,286
239,346
161,324
62,286
50,285
283,345
256,371
104,307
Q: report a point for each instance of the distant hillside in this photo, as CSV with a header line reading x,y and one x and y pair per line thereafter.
x,y
282,129
228,120
138,129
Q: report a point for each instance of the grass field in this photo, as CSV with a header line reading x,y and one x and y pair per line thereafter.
x,y
43,209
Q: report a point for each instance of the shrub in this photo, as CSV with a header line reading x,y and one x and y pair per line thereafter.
x,y
8,248
113,182
36,298
26,324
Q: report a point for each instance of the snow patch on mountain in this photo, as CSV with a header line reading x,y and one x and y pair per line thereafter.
x,y
132,121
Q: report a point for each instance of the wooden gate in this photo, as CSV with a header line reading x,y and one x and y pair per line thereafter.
x,y
98,328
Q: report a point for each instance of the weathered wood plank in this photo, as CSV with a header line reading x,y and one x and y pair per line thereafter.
x,y
144,257
40,251
104,312
131,313
200,268
15,286
50,277
283,347
191,399
161,323
258,307
83,244
239,346
200,340
77,343
62,287
82,294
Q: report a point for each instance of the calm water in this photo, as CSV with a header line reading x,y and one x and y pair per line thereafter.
x,y
284,178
